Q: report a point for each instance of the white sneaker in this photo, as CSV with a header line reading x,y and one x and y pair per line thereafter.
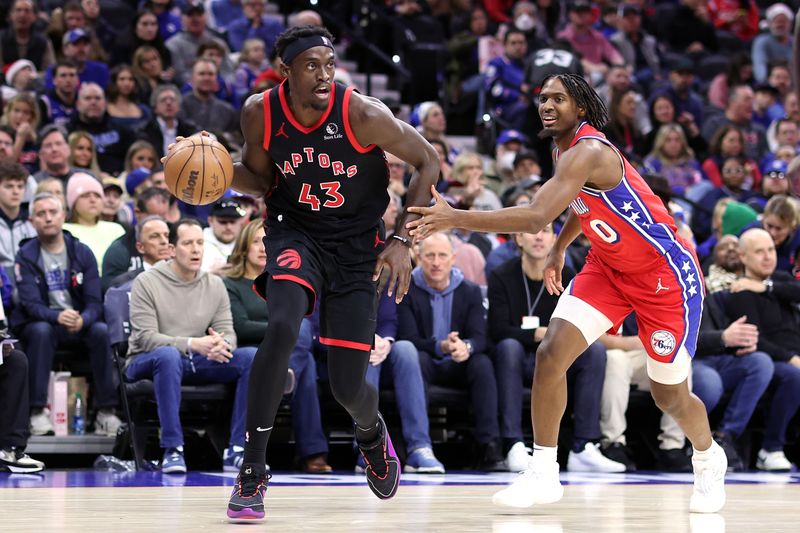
x,y
708,495
41,423
18,462
518,457
537,484
592,460
106,423
773,461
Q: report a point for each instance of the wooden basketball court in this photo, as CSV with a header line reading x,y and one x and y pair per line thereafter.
x,y
103,502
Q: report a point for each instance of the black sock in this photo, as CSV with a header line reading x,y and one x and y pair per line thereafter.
x,y
369,435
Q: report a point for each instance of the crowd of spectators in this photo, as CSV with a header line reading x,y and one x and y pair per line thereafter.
x,y
701,100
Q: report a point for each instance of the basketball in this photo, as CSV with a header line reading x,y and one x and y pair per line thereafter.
x,y
198,170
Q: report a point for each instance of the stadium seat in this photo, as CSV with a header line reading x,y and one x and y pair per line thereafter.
x,y
136,396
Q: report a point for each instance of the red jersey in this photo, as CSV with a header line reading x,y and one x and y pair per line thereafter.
x,y
628,226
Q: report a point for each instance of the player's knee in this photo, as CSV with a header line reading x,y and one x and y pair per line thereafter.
x,y
550,360
346,392
282,331
670,398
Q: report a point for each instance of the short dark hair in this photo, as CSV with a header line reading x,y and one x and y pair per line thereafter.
x,y
8,130
782,121
293,34
173,231
52,128
64,63
512,30
148,194
11,170
210,45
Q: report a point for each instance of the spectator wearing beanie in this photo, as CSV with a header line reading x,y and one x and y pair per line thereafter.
x,y
85,204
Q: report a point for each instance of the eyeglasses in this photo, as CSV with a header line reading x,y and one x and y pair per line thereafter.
x,y
777,175
735,170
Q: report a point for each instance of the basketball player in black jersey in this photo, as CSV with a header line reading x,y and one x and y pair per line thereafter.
x,y
315,149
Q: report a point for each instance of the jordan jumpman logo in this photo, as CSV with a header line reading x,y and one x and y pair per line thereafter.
x,y
281,132
661,287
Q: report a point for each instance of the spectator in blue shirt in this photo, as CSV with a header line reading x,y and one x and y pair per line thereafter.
x,y
77,47
254,24
504,77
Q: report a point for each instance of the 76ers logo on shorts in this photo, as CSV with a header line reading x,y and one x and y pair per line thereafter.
x,y
289,259
663,342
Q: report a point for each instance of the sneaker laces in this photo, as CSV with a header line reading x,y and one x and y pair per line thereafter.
x,y
250,483
376,457
426,453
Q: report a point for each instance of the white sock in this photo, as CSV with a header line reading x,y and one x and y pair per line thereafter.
x,y
705,454
544,454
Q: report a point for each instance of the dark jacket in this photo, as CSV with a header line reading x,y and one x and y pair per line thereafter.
x,y
508,303
468,318
121,257
111,139
84,287
151,132
774,312
712,324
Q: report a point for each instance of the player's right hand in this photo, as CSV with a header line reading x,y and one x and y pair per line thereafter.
x,y
552,272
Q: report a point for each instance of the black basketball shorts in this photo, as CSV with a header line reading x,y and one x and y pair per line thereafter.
x,y
337,273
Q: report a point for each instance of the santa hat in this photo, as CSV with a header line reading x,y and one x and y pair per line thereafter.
x,y
12,69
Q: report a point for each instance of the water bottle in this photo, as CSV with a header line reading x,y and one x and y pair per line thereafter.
x,y
78,422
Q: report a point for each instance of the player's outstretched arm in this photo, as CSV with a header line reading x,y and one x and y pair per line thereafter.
x,y
255,173
575,168
373,123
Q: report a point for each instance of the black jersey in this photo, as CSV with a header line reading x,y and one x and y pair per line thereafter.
x,y
328,184
549,62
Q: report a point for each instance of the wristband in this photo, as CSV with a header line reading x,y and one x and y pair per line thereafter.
x,y
405,240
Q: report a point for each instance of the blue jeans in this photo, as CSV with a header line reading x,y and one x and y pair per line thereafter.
x,y
586,376
784,405
747,376
41,339
306,419
477,374
168,369
402,367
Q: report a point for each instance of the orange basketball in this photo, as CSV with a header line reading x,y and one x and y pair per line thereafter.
x,y
198,170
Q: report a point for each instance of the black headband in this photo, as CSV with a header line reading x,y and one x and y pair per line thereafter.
x,y
302,44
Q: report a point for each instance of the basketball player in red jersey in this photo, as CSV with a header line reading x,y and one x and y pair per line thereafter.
x,y
636,263
315,149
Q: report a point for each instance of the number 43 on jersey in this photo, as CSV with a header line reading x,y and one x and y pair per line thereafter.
x,y
332,197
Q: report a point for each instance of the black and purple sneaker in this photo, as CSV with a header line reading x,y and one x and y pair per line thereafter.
x,y
383,465
247,498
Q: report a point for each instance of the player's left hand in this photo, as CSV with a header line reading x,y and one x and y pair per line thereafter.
x,y
397,258
439,217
